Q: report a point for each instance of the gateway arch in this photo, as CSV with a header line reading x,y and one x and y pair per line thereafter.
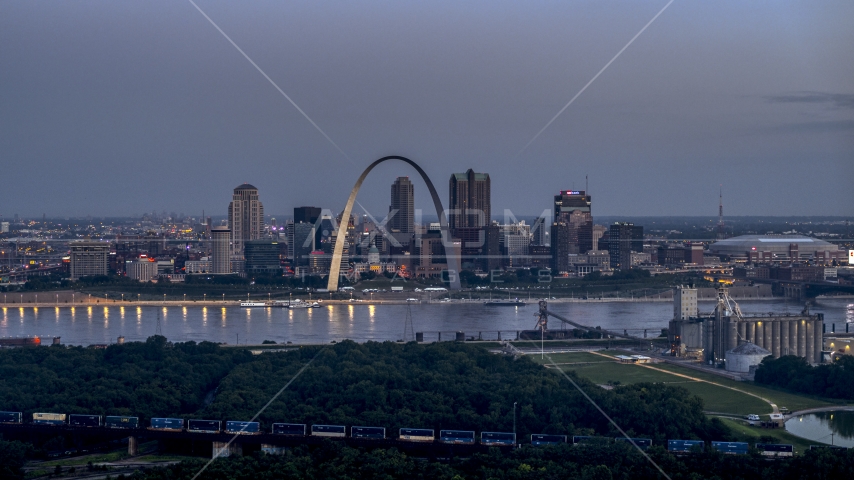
x,y
451,250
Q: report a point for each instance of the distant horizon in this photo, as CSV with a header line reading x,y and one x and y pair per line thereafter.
x,y
815,218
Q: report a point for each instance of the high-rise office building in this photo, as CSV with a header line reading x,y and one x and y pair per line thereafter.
x,y
302,240
262,257
245,217
624,238
541,232
403,209
308,216
574,208
89,258
221,250
470,200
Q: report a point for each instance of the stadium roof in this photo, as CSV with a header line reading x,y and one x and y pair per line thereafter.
x,y
774,243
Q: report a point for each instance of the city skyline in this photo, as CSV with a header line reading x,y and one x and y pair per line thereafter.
x,y
761,104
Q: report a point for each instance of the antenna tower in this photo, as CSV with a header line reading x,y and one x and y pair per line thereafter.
x,y
721,230
158,331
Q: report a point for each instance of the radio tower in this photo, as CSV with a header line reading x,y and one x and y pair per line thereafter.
x,y
721,231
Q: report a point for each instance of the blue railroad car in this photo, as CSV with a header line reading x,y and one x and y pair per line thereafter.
x,y
731,448
582,439
121,422
242,428
11,417
76,420
776,449
543,439
685,445
837,448
642,443
170,424
49,418
367,432
203,426
457,436
289,429
417,434
329,430
498,438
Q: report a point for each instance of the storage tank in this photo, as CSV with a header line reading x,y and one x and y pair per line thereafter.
x,y
744,356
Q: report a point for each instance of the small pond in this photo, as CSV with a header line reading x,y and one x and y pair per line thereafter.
x,y
824,427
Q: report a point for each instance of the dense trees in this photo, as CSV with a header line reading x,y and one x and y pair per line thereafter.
x,y
834,380
141,379
591,462
12,458
448,385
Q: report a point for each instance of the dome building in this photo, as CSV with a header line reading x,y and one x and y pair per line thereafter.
x,y
744,356
776,248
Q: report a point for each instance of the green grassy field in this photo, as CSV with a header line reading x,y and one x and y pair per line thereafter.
x,y
782,399
602,371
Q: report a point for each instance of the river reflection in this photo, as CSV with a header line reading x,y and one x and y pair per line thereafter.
x,y
356,321
819,427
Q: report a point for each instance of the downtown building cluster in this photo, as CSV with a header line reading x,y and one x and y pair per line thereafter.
x,y
564,241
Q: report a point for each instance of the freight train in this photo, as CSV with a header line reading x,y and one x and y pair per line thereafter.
x,y
424,435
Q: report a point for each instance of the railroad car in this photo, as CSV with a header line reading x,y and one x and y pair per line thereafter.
x,y
775,449
49,418
498,438
463,437
642,443
417,435
11,417
329,430
168,424
289,429
242,428
832,447
685,445
77,420
203,426
367,432
543,439
730,448
582,439
121,422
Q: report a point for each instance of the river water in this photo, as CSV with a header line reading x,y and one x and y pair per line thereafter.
x,y
359,322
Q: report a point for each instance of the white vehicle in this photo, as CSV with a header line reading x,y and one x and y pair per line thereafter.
x,y
435,289
347,289
411,299
417,289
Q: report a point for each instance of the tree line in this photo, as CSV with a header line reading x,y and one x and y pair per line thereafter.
x,y
832,380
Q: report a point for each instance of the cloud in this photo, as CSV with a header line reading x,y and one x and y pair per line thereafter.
x,y
836,100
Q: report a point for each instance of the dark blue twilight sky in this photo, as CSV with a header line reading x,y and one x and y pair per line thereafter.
x,y
115,108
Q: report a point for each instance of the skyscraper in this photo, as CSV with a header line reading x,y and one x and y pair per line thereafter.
x,y
245,217
403,208
220,251
470,200
574,208
625,238
306,214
